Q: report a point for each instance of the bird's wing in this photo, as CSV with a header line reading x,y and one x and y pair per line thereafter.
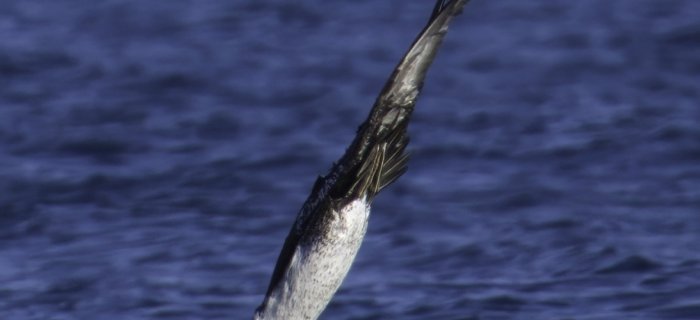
x,y
386,126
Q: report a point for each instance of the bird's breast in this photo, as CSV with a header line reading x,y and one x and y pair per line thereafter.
x,y
320,265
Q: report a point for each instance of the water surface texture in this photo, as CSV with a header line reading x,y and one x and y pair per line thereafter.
x,y
154,154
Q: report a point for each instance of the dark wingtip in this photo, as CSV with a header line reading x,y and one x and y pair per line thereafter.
x,y
439,5
377,156
406,81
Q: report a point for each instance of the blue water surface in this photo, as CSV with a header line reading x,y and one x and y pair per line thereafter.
x,y
154,154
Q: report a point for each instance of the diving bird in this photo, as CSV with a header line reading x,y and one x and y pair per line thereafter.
x,y
330,226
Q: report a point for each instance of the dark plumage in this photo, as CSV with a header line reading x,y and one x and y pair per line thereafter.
x,y
375,159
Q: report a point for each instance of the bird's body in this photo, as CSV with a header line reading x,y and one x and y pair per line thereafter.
x,y
318,268
331,225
